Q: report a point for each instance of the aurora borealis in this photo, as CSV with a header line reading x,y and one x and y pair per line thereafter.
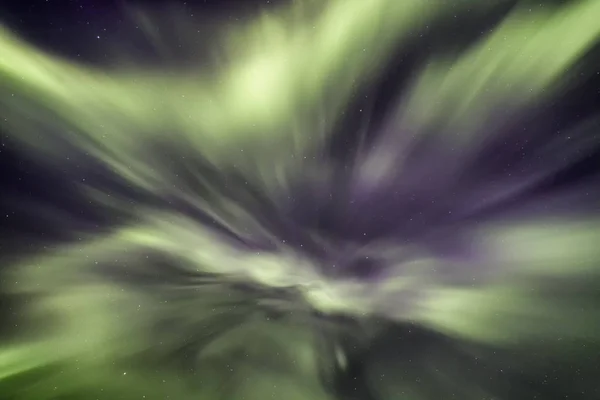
x,y
321,200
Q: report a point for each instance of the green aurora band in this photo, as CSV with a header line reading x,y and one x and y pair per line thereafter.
x,y
266,109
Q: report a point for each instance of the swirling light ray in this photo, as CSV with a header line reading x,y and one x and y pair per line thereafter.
x,y
218,305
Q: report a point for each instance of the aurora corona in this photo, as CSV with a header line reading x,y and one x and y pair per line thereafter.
x,y
263,243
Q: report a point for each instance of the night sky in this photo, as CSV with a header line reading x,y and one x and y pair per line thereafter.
x,y
240,199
